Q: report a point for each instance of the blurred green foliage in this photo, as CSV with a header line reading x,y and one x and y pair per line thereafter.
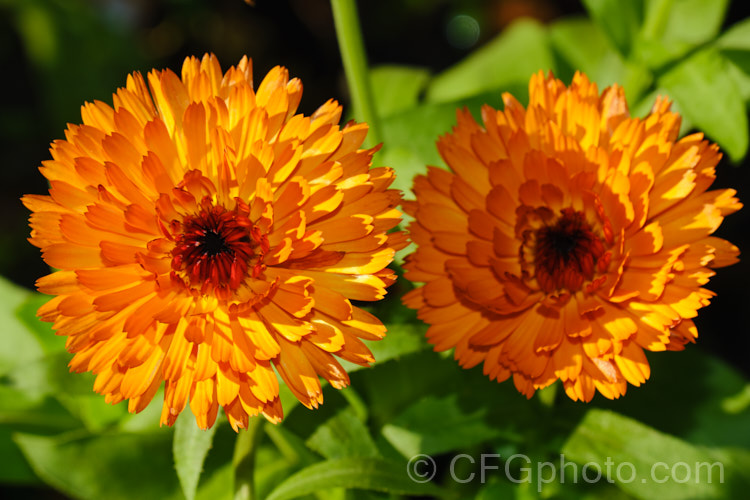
x,y
54,431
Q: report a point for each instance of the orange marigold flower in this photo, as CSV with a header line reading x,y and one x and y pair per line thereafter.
x,y
568,238
206,233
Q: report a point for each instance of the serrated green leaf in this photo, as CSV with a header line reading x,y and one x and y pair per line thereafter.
x,y
621,21
343,435
416,430
396,88
115,466
358,473
190,446
646,463
710,100
518,52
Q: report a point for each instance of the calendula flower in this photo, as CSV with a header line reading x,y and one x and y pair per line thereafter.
x,y
568,238
206,234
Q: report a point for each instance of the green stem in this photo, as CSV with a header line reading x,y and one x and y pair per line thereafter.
x,y
244,459
353,56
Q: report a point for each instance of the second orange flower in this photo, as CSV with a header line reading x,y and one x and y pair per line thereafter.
x,y
568,239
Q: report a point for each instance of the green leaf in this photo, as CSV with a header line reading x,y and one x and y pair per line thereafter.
x,y
15,469
737,37
646,463
216,486
512,57
694,21
584,47
674,27
702,389
190,446
20,346
360,473
735,46
620,20
710,100
112,466
26,313
343,435
417,430
396,88
271,470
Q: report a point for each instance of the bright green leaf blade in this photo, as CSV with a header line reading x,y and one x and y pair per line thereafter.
x,y
359,473
417,430
710,100
736,37
20,345
620,20
43,331
672,28
116,466
216,486
583,46
396,88
646,463
342,436
694,21
735,46
512,57
190,446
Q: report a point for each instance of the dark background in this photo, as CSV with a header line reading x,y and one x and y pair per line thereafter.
x,y
56,54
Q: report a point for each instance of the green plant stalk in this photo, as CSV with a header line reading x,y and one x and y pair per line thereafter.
x,y
243,461
351,46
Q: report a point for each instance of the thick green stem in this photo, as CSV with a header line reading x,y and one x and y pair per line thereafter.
x,y
244,459
353,56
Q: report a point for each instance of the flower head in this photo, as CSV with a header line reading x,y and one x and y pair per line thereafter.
x,y
568,238
205,234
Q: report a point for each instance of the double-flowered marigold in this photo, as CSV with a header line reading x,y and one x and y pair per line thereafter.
x,y
206,234
568,238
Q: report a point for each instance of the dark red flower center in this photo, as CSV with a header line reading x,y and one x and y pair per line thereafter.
x,y
215,248
566,253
